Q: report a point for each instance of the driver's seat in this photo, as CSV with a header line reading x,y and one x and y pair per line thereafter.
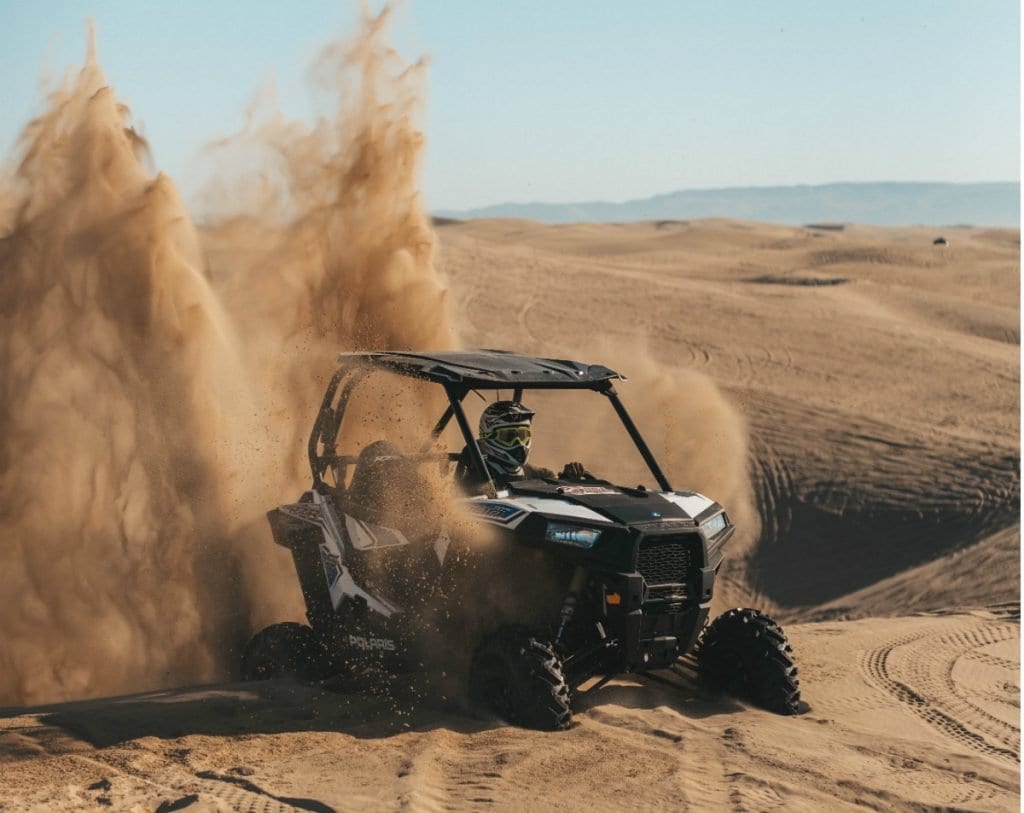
x,y
387,489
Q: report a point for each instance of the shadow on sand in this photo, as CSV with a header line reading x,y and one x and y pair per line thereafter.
x,y
280,706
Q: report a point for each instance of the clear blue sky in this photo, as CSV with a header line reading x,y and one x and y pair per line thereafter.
x,y
572,100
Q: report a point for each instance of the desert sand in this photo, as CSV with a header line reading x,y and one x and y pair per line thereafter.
x,y
879,377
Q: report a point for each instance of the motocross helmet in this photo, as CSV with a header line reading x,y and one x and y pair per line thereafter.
x,y
505,435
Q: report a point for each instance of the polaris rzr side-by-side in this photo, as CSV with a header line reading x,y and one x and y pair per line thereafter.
x,y
535,586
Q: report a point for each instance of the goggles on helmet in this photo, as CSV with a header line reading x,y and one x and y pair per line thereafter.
x,y
509,436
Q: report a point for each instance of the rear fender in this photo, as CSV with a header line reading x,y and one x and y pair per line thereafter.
x,y
311,530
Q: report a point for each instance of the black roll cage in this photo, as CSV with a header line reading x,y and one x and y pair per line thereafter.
x,y
322,447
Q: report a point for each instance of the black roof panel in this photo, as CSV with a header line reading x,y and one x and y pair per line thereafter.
x,y
489,369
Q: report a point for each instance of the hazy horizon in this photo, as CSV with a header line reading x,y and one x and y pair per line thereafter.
x,y
740,187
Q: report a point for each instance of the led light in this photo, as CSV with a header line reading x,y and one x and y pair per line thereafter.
x,y
571,535
714,525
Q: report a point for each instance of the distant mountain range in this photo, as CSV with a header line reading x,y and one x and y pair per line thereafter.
x,y
884,204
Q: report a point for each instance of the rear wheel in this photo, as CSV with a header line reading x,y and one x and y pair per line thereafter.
x,y
745,653
284,650
520,678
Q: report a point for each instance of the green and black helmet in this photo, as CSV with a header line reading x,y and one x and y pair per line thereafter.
x,y
505,434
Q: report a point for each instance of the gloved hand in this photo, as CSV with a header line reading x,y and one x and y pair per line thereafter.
x,y
573,471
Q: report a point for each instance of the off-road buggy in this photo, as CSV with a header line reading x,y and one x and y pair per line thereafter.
x,y
549,584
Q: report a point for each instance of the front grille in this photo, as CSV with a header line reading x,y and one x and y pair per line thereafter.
x,y
665,560
667,564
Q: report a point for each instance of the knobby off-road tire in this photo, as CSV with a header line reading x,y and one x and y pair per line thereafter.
x,y
520,678
284,650
745,653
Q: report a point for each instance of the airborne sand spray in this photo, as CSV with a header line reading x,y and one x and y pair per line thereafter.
x,y
157,384
139,445
113,352
330,249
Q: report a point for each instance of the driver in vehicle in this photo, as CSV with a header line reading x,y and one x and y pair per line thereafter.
x,y
505,445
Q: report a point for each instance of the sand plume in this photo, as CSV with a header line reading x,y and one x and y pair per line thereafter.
x,y
345,248
139,450
326,246
111,348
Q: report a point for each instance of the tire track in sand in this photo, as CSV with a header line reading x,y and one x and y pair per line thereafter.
x,y
177,785
918,671
448,772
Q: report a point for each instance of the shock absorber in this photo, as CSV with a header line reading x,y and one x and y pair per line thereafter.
x,y
579,579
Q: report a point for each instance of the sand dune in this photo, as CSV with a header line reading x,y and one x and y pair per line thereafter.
x,y
879,375
978,575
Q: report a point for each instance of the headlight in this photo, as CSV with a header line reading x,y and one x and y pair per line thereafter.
x,y
571,535
714,526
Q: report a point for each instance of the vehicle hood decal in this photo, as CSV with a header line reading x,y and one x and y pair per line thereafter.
x,y
511,511
691,502
589,504
630,508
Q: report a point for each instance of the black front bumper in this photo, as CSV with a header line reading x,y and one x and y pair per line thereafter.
x,y
657,612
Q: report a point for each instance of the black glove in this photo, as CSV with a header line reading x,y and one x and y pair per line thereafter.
x,y
574,471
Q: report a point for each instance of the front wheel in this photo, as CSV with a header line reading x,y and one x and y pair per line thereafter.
x,y
745,653
284,650
520,679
